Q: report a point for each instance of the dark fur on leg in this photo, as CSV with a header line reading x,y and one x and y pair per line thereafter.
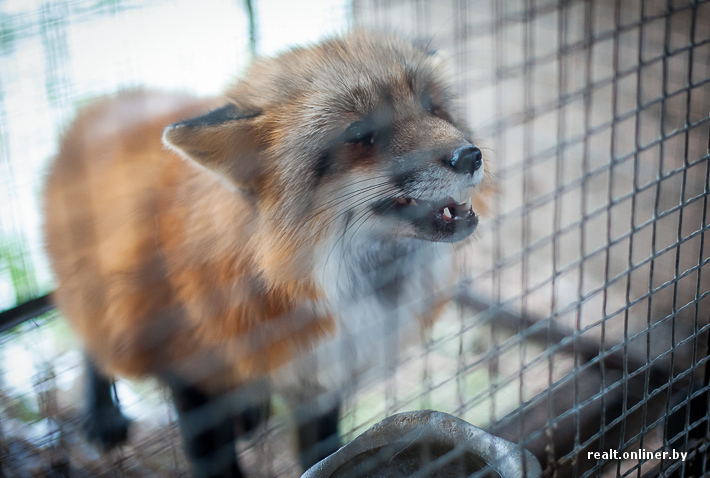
x,y
207,424
318,437
102,420
250,417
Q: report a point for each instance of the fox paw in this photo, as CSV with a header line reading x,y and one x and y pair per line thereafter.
x,y
105,427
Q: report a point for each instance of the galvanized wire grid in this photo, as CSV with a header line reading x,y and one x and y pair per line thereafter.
x,y
582,325
596,114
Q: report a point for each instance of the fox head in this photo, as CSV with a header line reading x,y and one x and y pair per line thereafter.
x,y
355,134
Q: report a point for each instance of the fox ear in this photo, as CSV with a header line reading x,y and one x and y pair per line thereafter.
x,y
223,140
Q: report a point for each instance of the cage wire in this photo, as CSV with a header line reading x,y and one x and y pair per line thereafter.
x,y
580,330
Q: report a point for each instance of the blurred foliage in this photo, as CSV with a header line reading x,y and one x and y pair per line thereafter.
x,y
19,269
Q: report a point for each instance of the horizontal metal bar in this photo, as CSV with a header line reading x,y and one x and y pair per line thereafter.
x,y
25,311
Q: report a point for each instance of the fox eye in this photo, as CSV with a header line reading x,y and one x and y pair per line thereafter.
x,y
428,105
360,132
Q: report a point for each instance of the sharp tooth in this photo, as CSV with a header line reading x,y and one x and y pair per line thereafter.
x,y
468,203
446,214
413,202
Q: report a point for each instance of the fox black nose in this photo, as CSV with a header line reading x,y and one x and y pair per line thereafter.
x,y
467,159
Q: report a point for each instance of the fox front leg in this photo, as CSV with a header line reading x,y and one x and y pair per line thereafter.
x,y
102,420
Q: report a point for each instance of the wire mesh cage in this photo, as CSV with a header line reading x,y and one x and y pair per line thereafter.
x,y
578,327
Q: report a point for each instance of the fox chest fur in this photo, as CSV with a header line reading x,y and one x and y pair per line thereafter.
x,y
297,233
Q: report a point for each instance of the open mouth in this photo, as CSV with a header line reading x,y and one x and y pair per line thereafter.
x,y
445,220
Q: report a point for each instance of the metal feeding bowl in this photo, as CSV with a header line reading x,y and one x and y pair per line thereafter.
x,y
427,444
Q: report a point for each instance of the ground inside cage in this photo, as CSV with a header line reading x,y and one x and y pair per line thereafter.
x,y
44,438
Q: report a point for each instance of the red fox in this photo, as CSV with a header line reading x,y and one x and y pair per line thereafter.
x,y
287,241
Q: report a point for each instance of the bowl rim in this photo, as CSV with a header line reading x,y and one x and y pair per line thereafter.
x,y
509,459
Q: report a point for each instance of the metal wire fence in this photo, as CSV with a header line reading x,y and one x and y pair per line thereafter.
x,y
581,328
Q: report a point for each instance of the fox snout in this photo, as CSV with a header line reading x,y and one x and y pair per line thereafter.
x,y
464,160
440,171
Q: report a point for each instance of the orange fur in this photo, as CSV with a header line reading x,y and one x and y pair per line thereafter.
x,y
130,279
